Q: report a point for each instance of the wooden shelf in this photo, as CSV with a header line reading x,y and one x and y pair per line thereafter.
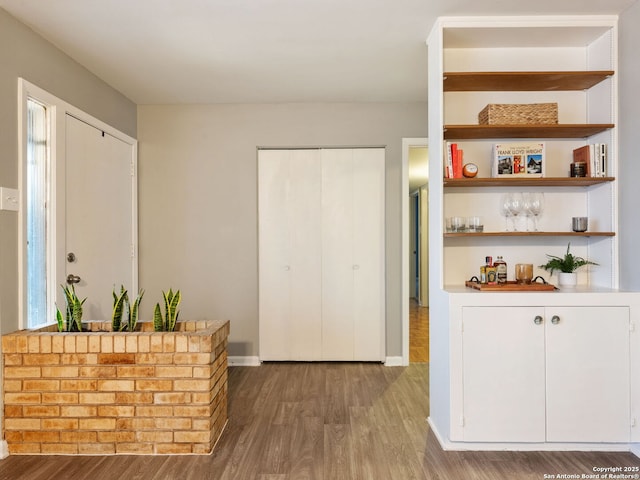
x,y
474,132
529,234
526,182
522,81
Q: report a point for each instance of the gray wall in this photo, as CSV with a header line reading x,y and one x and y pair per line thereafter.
x,y
198,199
25,54
629,173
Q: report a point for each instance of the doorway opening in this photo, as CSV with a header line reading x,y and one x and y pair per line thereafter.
x,y
415,282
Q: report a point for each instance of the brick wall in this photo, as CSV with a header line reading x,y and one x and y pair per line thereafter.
x,y
116,393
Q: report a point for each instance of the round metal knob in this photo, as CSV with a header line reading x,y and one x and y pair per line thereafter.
x,y
555,319
71,279
537,320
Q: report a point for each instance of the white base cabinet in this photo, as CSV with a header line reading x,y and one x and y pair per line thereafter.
x,y
545,374
321,254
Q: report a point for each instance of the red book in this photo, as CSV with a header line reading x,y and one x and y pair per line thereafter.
x,y
457,161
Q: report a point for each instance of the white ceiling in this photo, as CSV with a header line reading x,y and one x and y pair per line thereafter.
x,y
253,51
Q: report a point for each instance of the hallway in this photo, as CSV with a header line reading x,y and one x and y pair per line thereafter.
x,y
418,333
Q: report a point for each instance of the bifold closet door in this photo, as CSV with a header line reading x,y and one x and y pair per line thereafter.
x,y
353,288
289,196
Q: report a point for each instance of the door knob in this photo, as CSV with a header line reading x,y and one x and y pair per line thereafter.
x,y
537,320
71,279
555,319
71,257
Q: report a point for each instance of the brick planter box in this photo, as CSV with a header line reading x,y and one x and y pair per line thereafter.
x,y
102,392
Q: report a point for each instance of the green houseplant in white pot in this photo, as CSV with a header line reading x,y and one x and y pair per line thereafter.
x,y
566,267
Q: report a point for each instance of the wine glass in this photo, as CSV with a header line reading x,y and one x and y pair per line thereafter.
x,y
515,205
504,210
526,208
535,207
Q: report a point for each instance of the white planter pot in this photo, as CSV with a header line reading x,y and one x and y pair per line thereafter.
x,y
567,280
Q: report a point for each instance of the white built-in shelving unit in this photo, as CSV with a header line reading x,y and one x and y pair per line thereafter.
x,y
503,364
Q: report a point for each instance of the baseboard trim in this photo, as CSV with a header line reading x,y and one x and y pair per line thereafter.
x,y
448,445
243,361
393,362
4,449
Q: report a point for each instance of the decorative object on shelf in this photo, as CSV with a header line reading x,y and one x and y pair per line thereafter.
x,y
524,273
533,206
474,225
511,205
566,267
579,224
519,114
578,169
454,167
594,158
510,286
470,170
518,159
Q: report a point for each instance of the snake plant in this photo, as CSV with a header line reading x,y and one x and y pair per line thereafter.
x,y
171,302
124,316
73,315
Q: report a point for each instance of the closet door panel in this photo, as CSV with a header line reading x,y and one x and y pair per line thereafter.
x,y
289,251
274,277
337,255
368,240
305,255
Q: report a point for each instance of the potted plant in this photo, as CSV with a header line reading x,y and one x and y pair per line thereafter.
x,y
566,267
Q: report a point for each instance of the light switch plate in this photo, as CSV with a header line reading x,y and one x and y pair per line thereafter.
x,y
9,199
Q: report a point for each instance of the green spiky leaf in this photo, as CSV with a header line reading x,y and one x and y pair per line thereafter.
x,y
59,320
133,319
158,324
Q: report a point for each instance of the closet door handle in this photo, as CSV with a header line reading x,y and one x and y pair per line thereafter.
x,y
537,320
555,319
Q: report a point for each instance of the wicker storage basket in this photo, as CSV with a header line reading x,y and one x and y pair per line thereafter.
x,y
519,114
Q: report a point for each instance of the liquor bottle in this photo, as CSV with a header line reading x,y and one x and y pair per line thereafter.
x,y
501,270
491,271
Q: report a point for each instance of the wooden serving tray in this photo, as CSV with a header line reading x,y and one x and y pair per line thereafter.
x,y
510,287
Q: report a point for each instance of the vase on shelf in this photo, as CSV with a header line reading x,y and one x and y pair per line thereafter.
x,y
567,280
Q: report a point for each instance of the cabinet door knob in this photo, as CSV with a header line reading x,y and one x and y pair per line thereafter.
x,y
537,320
555,319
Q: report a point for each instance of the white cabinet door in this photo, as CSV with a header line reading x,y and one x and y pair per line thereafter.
x,y
503,371
353,254
289,254
587,374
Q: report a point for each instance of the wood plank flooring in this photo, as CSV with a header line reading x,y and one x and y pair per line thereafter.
x,y
329,421
418,333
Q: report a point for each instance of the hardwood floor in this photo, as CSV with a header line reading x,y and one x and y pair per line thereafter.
x,y
418,333
329,421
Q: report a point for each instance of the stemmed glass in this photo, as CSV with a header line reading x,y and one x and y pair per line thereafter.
x,y
535,205
505,211
515,206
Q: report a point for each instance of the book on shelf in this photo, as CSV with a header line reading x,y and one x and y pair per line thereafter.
x,y
454,161
518,160
594,155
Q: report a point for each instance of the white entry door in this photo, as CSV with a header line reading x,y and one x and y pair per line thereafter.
x,y
100,216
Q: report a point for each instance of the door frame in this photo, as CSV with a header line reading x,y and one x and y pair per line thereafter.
x,y
406,257
60,109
